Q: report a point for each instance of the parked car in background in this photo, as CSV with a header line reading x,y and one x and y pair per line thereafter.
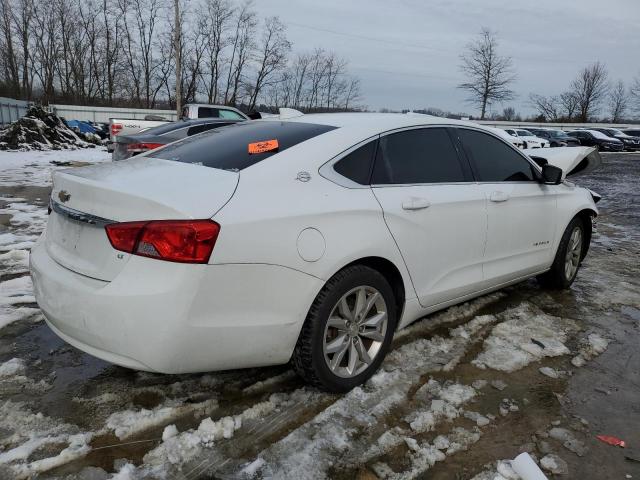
x,y
190,111
631,143
119,126
127,146
634,132
515,141
556,138
197,110
311,238
528,139
594,138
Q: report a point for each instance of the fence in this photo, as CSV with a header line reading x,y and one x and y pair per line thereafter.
x,y
11,110
104,114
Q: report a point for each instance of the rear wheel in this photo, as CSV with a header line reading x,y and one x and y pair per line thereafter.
x,y
568,257
348,330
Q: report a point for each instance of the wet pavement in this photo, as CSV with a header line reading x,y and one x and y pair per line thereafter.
x,y
441,407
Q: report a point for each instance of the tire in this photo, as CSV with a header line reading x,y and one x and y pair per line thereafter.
x,y
314,354
568,258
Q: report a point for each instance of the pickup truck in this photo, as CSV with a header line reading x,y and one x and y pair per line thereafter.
x,y
119,126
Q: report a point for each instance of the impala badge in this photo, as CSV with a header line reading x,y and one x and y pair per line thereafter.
x,y
64,196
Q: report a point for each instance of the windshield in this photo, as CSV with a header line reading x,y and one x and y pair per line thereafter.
x,y
525,133
239,146
599,135
556,133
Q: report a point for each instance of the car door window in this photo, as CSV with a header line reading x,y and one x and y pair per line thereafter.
x,y
417,156
494,160
356,166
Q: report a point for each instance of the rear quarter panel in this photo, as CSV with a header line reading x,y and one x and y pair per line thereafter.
x,y
263,220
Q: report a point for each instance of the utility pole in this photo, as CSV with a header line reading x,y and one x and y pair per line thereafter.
x,y
177,39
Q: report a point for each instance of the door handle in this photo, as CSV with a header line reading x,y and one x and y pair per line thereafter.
x,y
415,203
498,196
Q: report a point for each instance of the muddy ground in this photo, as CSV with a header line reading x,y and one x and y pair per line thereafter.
x,y
393,427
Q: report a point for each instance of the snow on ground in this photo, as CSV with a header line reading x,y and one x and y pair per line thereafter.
x,y
15,366
26,221
129,422
591,347
527,335
25,433
34,168
350,419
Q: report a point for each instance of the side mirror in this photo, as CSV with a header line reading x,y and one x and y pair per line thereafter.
x,y
551,175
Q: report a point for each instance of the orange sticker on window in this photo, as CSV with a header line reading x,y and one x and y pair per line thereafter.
x,y
261,147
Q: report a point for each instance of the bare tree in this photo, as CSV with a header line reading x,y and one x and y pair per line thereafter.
x,y
618,102
242,43
509,114
546,106
177,48
489,74
590,89
569,104
272,56
215,23
634,93
352,93
10,68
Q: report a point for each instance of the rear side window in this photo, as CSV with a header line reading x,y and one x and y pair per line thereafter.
x,y
231,115
203,127
495,161
207,112
356,166
417,156
227,148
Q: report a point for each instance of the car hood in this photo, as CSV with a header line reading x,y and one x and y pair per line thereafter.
x,y
572,160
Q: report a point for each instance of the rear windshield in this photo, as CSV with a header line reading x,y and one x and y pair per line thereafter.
x,y
228,148
167,127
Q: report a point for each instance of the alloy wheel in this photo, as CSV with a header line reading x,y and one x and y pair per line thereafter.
x,y
355,331
574,251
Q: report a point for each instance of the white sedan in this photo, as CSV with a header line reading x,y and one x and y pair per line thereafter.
x,y
306,238
528,139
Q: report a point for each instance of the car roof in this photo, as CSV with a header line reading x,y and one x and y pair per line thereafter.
x,y
373,123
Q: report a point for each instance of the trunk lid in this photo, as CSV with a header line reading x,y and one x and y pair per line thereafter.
x,y
572,160
85,199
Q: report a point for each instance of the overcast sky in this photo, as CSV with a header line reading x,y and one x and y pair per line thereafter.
x,y
406,52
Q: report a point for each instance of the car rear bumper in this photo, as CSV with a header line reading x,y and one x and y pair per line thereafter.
x,y
175,318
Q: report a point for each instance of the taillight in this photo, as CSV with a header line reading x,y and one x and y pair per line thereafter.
x,y
142,147
185,241
116,128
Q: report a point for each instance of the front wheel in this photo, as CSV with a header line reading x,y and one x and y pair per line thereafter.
x,y
348,330
568,257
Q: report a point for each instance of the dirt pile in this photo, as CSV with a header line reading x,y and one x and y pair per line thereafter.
x,y
40,130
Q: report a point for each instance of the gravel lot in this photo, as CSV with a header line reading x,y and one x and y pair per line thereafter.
x,y
463,390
